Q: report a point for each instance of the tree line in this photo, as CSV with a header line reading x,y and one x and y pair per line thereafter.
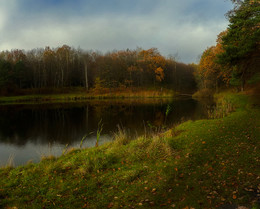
x,y
66,66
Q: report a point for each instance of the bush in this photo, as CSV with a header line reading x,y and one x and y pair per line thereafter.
x,y
203,93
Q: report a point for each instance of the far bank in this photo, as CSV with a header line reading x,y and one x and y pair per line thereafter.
x,y
81,94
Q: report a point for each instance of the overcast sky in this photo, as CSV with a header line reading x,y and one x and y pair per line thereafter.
x,y
186,27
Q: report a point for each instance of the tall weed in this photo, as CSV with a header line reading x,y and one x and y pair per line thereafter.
x,y
10,161
223,108
99,130
121,137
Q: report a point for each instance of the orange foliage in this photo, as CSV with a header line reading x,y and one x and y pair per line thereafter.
x,y
16,55
154,62
159,74
209,70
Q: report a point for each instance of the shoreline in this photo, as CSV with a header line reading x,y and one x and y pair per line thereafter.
x,y
85,96
204,163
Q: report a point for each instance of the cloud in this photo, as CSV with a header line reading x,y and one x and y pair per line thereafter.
x,y
186,27
6,8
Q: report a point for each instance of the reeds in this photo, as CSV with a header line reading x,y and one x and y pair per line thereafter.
x,y
10,162
223,107
99,130
121,137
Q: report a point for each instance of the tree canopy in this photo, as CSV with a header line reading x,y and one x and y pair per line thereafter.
x,y
235,59
241,44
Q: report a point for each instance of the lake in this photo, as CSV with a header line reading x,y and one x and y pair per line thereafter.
x,y
28,132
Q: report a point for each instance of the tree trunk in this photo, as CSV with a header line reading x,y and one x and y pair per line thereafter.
x,y
243,81
86,74
242,85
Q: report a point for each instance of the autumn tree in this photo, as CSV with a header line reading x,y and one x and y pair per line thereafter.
x,y
241,44
209,71
152,63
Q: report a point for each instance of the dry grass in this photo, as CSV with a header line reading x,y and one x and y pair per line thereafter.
x,y
116,93
47,157
10,162
131,93
121,137
159,148
223,107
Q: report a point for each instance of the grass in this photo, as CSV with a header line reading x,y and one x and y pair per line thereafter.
x,y
82,95
198,164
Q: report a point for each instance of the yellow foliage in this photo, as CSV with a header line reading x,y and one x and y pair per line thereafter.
x,y
209,70
159,74
154,62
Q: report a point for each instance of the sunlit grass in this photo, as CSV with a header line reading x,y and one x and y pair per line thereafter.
x,y
86,95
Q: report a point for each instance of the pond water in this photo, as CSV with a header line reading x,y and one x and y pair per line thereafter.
x,y
28,132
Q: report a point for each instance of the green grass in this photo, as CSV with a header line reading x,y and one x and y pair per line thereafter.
x,y
198,164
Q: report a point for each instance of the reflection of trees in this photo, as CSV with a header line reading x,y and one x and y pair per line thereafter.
x,y
45,124
203,107
42,125
159,118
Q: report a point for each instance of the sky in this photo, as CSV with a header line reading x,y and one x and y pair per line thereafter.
x,y
181,28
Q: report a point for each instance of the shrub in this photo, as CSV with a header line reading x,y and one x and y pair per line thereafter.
x,y
203,93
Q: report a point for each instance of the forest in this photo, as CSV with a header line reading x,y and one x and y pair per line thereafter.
x,y
69,67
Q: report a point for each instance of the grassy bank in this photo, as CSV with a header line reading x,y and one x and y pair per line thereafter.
x,y
75,95
201,164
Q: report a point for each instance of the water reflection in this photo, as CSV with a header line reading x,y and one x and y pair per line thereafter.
x,y
29,131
